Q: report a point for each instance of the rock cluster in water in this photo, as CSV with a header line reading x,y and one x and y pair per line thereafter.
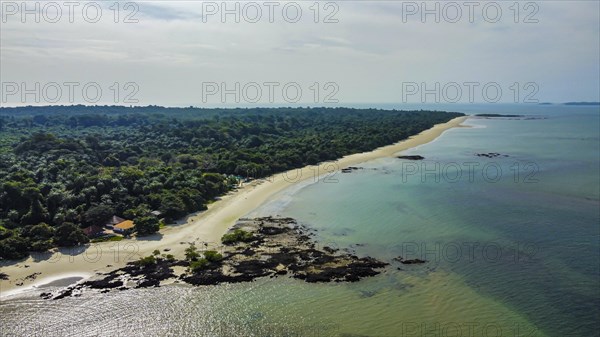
x,y
408,261
491,155
351,168
273,247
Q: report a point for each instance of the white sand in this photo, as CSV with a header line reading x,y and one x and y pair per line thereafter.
x,y
207,226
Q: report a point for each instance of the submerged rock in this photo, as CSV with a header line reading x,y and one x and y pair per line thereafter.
x,y
408,261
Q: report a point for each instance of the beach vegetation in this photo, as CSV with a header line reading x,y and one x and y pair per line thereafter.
x,y
147,261
107,239
191,253
71,167
169,257
212,256
69,234
146,225
238,235
199,264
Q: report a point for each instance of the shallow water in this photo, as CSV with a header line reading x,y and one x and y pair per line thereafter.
x,y
514,254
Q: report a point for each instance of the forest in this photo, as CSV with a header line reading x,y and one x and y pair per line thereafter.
x,y
63,168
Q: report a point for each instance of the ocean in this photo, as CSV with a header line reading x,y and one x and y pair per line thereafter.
x,y
506,212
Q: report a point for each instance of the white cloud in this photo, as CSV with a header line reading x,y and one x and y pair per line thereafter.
x,y
368,53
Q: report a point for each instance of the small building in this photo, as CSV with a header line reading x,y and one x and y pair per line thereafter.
x,y
114,220
125,227
156,213
93,231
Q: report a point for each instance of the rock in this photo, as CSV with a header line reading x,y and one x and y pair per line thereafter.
x,y
414,261
329,249
351,168
413,157
280,247
409,261
490,155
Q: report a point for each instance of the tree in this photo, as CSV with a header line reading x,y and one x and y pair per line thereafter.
x,y
69,234
191,253
172,207
146,225
97,215
37,213
139,211
14,247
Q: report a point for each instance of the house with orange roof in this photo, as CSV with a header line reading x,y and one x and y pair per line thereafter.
x,y
125,227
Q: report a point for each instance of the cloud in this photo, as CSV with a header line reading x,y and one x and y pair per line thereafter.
x,y
368,53
165,12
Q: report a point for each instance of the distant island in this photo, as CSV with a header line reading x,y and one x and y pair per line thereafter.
x,y
497,115
583,103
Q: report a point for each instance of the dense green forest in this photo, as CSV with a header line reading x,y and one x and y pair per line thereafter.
x,y
63,168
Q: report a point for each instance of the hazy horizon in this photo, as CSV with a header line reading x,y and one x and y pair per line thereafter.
x,y
181,53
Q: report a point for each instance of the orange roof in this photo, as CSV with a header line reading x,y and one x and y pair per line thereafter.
x,y
125,225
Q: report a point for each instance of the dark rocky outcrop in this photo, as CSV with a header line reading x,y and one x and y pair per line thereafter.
x,y
279,247
415,157
408,261
491,155
351,168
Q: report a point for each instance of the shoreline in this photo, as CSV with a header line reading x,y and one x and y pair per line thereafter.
x,y
205,227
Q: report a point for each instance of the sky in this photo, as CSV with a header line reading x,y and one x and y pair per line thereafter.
x,y
182,53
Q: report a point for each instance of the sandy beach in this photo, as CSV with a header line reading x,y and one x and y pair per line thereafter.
x,y
204,228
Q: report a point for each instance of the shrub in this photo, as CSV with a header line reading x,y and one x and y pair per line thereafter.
x,y
147,261
107,239
170,257
41,245
199,264
212,256
237,236
191,253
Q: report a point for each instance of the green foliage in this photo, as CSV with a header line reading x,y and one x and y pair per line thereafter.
x,y
191,253
107,239
212,256
97,215
40,236
238,235
146,225
137,212
76,164
14,247
69,234
147,261
199,264
41,245
170,257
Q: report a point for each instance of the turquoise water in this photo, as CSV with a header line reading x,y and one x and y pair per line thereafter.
x,y
510,254
527,238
